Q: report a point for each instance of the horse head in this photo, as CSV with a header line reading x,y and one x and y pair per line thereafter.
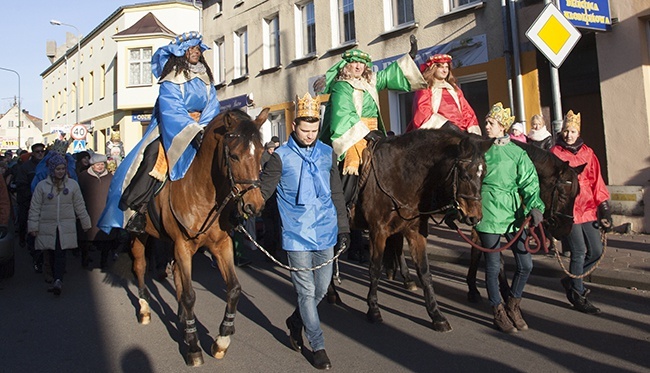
x,y
240,152
468,173
559,215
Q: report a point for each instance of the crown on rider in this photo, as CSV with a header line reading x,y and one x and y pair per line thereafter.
x,y
501,115
60,146
572,120
307,106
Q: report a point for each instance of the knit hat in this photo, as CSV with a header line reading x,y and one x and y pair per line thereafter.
x,y
269,145
55,160
517,126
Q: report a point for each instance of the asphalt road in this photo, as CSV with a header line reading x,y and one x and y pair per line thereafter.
x,y
92,326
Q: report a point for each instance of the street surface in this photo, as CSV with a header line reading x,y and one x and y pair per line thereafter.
x,y
92,326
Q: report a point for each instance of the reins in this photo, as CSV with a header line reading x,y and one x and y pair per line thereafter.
x,y
235,194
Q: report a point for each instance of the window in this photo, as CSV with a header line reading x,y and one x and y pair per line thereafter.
x,y
453,4
219,61
91,87
102,81
74,88
140,66
398,13
10,124
346,21
305,29
271,33
241,53
81,92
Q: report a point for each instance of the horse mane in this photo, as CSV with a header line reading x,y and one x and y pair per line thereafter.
x,y
539,155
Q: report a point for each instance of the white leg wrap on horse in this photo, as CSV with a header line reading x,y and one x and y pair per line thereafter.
x,y
145,312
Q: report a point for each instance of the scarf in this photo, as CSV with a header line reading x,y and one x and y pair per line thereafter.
x,y
573,148
311,185
539,135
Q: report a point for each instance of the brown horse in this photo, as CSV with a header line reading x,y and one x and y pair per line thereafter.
x,y
558,188
196,211
406,179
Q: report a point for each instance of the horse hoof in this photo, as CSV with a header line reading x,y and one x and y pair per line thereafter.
x,y
194,359
442,326
220,347
390,275
374,317
410,286
145,319
334,299
145,312
474,297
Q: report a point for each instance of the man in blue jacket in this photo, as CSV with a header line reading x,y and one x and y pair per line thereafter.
x,y
312,208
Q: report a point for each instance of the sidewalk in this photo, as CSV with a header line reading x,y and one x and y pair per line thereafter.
x,y
626,262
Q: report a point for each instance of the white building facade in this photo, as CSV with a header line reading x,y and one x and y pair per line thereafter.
x,y
12,137
116,88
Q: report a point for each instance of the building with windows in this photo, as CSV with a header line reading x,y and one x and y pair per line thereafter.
x,y
267,52
11,138
116,90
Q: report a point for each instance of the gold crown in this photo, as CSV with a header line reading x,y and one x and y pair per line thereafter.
x,y
501,115
307,106
572,120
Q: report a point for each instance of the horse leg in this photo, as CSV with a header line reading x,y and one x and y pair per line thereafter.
x,y
140,267
377,246
226,262
186,298
417,243
396,241
473,295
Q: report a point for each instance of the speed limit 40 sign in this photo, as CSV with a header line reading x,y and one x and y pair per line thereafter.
x,y
78,132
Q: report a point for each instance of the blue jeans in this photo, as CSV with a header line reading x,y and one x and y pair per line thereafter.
x,y
311,287
523,259
586,248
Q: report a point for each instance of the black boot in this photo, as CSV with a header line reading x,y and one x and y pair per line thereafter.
x,y
582,304
137,223
294,323
321,361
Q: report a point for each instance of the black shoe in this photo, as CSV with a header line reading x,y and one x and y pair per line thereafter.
x,y
295,333
582,304
321,361
137,223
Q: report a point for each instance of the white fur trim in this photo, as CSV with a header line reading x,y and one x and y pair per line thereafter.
x,y
475,130
434,122
181,142
349,138
412,72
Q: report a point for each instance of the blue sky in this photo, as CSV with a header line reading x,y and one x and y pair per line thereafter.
x,y
25,28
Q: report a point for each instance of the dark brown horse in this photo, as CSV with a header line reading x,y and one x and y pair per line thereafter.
x,y
195,211
406,179
558,188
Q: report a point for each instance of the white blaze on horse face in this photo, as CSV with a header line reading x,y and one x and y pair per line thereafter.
x,y
480,170
252,149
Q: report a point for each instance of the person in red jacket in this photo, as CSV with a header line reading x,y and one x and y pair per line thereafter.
x,y
442,100
590,212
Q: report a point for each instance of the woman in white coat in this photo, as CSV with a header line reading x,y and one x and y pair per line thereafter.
x,y
56,204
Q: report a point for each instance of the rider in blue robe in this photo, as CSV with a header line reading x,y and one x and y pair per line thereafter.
x,y
186,103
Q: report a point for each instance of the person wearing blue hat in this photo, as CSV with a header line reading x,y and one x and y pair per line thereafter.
x,y
187,102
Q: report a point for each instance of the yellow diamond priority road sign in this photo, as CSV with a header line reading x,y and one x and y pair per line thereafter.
x,y
553,35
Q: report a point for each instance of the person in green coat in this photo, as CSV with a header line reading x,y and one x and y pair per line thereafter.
x,y
509,193
352,115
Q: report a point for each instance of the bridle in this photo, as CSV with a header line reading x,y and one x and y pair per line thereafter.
x,y
236,194
453,205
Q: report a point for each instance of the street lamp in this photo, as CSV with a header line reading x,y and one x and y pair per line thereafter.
x,y
19,112
76,91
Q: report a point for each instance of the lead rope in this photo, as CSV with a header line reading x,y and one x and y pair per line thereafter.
x,y
603,239
240,228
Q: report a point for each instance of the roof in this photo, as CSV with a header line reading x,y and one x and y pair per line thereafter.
x,y
148,24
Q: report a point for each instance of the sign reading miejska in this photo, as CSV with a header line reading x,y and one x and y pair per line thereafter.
x,y
553,35
78,132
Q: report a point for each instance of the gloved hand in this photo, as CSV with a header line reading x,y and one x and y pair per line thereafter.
x,y
605,217
343,241
375,135
319,85
3,231
536,217
414,46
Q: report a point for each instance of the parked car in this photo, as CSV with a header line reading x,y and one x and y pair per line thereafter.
x,y
7,243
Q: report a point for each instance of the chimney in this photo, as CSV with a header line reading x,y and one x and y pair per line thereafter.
x,y
50,50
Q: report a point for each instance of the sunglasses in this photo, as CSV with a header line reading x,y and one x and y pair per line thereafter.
x,y
39,151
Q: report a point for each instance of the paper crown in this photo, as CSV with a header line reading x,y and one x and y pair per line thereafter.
x,y
436,58
501,115
307,106
572,120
